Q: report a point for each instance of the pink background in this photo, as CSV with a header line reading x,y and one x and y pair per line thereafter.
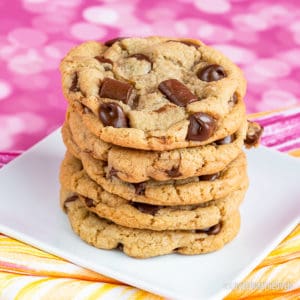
x,y
263,37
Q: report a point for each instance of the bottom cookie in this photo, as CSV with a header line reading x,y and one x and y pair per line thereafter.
x,y
141,243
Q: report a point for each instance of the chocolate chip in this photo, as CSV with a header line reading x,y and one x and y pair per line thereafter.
x,y
233,100
74,86
140,188
89,202
115,89
146,208
113,173
70,199
211,73
120,247
226,140
112,114
201,127
177,92
254,133
104,60
140,56
210,177
174,172
215,229
135,102
109,43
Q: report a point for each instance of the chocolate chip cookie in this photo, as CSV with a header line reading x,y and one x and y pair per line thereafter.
x,y
154,93
193,190
143,243
146,216
172,164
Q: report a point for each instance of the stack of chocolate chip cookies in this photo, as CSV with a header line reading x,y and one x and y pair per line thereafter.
x,y
154,131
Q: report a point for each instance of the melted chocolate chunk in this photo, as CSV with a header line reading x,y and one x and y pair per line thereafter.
x,y
70,199
111,114
104,60
226,140
74,86
140,188
89,202
174,172
146,208
211,73
201,127
177,92
115,89
109,43
233,100
113,173
215,229
120,247
254,133
210,177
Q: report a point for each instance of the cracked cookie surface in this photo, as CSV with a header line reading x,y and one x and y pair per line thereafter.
x,y
145,216
193,190
154,93
201,160
143,243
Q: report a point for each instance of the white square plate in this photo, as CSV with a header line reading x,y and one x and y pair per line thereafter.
x,y
30,212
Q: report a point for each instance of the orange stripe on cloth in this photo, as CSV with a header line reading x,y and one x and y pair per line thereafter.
x,y
17,257
20,287
295,153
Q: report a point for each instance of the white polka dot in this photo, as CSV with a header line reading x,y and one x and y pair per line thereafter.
x,y
28,63
7,51
213,7
138,29
181,28
86,31
295,26
279,95
237,54
27,37
269,68
250,21
212,33
37,82
35,1
291,56
5,89
37,123
101,15
296,37
51,51
69,3
275,98
11,123
275,15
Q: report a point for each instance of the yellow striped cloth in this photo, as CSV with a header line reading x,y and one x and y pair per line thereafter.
x,y
27,273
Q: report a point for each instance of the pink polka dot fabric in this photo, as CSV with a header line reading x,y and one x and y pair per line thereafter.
x,y
263,37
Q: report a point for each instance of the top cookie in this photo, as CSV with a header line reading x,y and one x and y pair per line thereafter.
x,y
153,93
